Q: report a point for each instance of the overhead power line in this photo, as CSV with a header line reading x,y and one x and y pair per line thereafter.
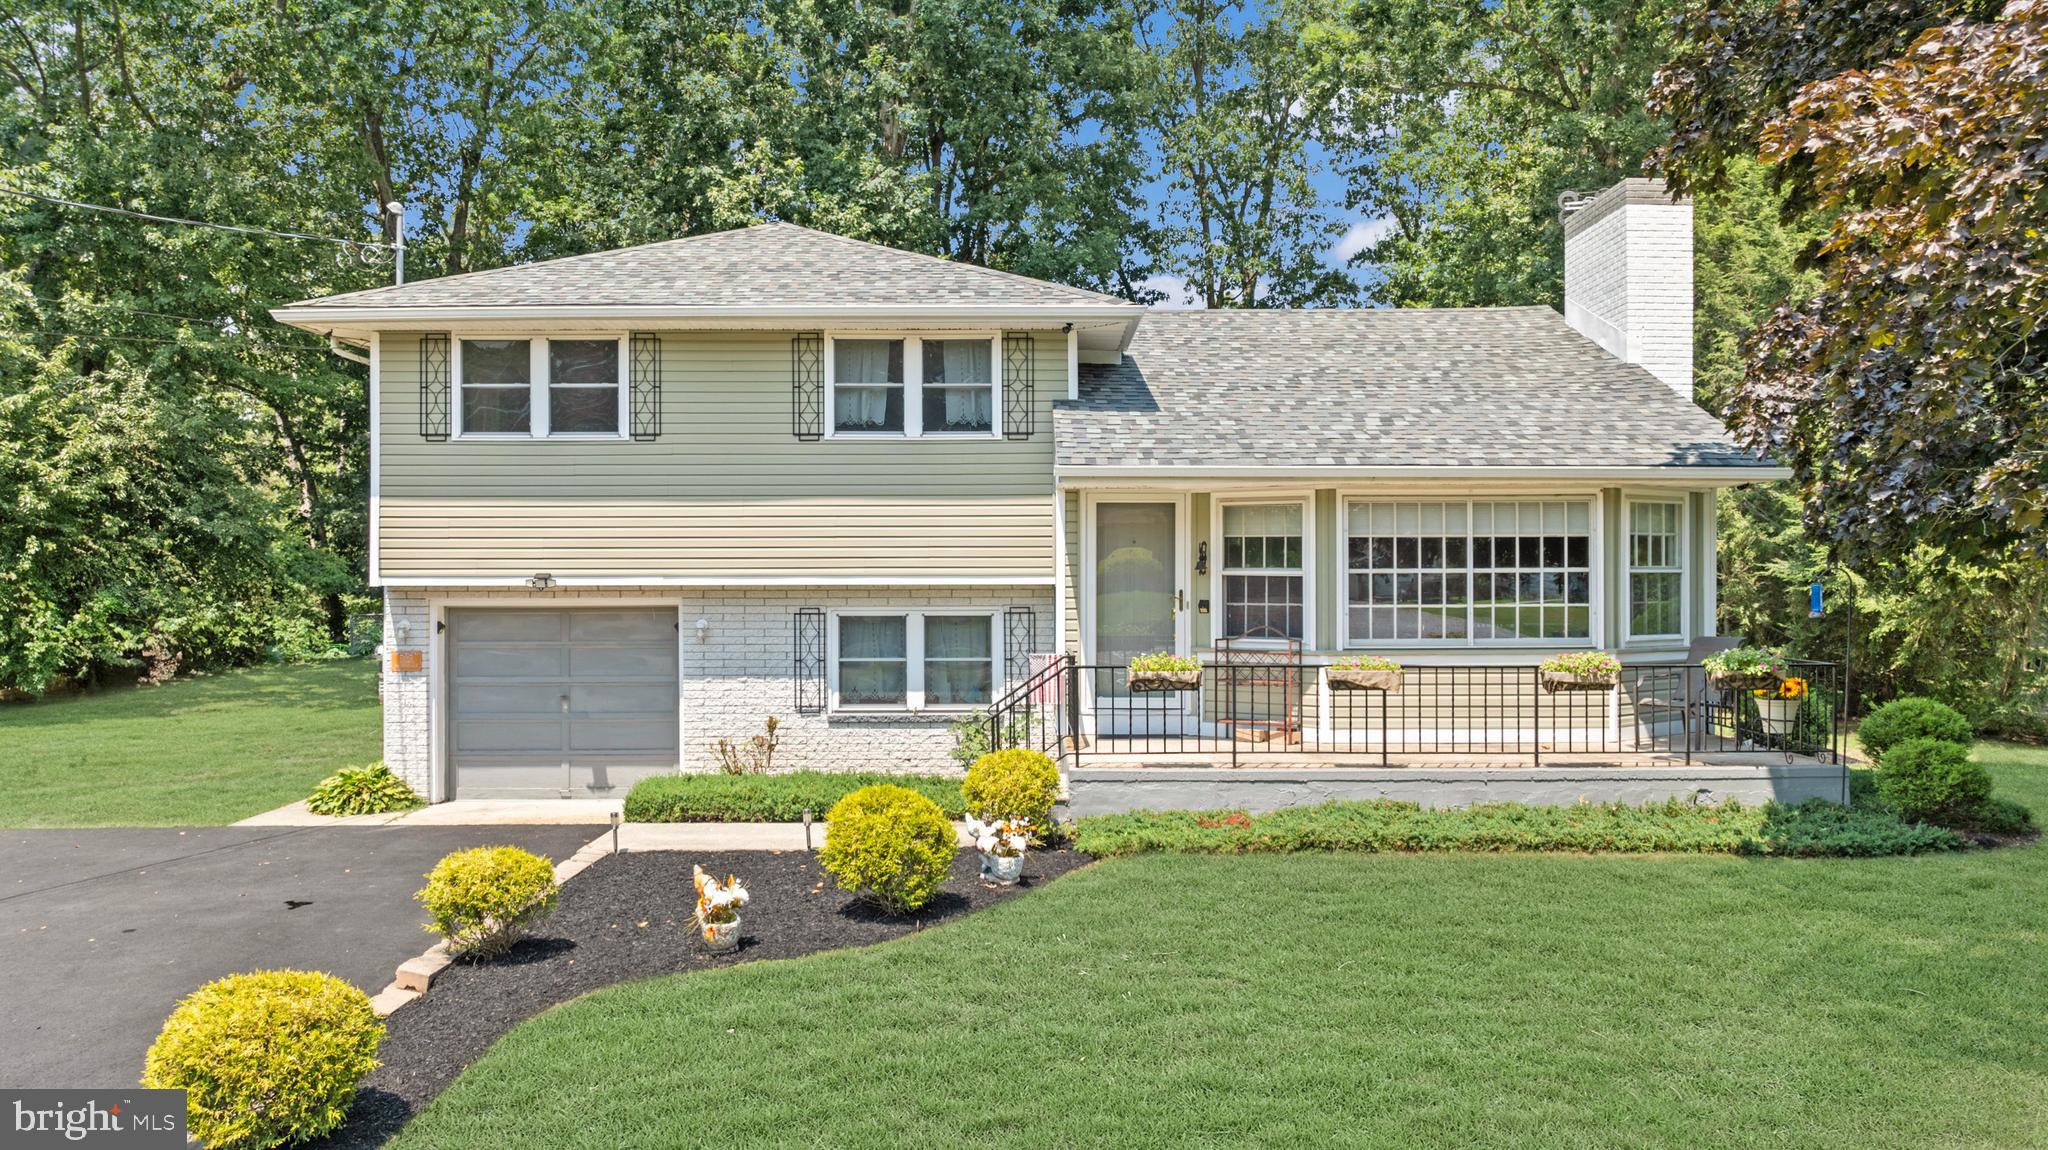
x,y
131,213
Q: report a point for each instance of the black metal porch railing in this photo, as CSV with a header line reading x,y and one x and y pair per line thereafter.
x,y
1245,711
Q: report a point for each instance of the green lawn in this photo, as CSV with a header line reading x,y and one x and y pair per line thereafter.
x,y
198,751
1348,1000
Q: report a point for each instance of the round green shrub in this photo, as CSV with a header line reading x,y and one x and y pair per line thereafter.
x,y
1933,780
1911,718
266,1058
1013,784
482,900
888,845
371,790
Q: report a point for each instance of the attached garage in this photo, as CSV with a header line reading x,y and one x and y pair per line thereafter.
x,y
576,702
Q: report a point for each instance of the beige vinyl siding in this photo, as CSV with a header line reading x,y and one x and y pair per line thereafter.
x,y
726,491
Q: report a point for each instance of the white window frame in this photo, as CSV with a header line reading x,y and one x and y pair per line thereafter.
x,y
913,384
1595,577
1682,567
913,647
1219,611
540,387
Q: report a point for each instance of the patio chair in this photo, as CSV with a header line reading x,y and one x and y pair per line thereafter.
x,y
1689,699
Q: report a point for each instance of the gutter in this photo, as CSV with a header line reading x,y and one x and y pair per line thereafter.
x,y
1077,475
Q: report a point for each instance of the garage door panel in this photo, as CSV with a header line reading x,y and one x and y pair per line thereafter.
x,y
630,626
632,699
623,662
643,738
522,736
484,700
508,626
509,661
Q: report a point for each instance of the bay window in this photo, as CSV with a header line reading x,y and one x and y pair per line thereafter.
x,y
1467,571
913,661
1656,573
1263,565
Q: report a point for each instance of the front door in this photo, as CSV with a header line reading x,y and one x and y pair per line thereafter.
x,y
1139,609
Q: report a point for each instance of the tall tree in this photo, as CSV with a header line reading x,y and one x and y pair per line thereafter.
x,y
1470,117
1248,97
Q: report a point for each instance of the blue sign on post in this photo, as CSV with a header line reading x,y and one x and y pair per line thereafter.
x,y
1813,600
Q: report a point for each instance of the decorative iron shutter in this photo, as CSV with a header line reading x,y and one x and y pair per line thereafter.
x,y
646,383
1020,639
810,660
434,387
807,386
1020,385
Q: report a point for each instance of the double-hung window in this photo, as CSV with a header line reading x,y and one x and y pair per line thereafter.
x,y
914,661
912,386
1656,572
1263,566
540,387
1468,571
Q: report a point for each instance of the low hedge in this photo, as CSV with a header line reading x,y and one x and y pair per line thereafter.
x,y
1813,828
779,798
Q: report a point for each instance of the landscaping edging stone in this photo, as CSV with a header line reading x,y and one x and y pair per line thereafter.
x,y
628,917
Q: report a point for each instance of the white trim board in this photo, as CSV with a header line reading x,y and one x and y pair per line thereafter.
x,y
1073,475
906,580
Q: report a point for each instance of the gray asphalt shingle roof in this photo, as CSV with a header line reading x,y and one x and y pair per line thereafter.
x,y
1481,387
766,266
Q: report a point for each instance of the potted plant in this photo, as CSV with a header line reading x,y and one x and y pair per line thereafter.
x,y
1777,706
1162,671
1579,671
718,910
1364,673
1744,669
1002,843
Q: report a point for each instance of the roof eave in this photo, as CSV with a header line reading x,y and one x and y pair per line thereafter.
x,y
314,316
1697,475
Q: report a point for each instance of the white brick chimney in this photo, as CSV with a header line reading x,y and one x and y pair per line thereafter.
x,y
1628,275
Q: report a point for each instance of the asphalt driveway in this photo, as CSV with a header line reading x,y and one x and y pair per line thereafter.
x,y
102,931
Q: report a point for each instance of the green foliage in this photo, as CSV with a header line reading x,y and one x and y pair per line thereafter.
x,y
1934,780
481,900
1164,661
1746,661
1911,718
267,1058
2000,817
1364,663
371,790
1812,828
783,798
888,845
1013,784
970,735
1584,664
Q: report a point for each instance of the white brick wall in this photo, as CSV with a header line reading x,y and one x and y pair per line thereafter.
x,y
1628,280
742,672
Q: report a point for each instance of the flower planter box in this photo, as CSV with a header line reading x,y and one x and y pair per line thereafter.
x,y
1555,681
1741,680
1165,680
1358,679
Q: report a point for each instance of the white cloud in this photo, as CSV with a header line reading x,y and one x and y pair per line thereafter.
x,y
1177,296
1360,236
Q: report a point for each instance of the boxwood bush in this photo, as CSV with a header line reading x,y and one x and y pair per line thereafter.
x,y
267,1058
1815,827
1911,718
481,900
1012,784
890,846
769,798
1933,779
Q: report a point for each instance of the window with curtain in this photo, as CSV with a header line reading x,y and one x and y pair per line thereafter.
x,y
959,660
874,660
1655,570
867,388
958,385
1435,571
497,386
1262,571
583,387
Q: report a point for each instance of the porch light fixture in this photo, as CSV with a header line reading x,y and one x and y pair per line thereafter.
x,y
1202,557
541,581
703,629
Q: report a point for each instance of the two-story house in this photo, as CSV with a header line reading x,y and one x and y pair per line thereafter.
x,y
628,503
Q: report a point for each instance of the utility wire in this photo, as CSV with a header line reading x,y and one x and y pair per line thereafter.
x,y
194,223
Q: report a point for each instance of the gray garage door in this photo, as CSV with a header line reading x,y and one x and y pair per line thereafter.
x,y
560,702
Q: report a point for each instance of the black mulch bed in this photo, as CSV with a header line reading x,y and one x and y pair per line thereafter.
x,y
628,917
